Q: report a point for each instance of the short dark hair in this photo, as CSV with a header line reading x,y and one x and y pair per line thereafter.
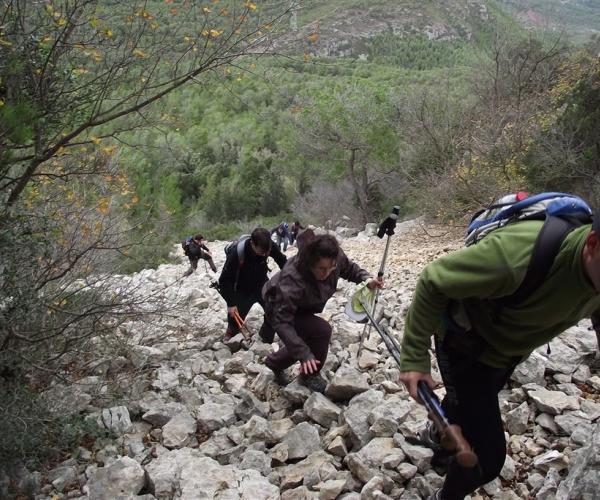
x,y
198,237
316,248
261,238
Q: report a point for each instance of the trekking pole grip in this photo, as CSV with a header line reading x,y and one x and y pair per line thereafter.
x,y
465,456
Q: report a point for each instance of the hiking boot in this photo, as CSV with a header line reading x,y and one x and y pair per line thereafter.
x,y
442,458
315,382
281,377
429,437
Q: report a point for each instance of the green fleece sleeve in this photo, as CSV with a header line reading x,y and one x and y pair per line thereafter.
x,y
492,268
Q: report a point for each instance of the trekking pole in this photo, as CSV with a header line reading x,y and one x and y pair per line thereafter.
x,y
451,435
452,438
241,324
386,228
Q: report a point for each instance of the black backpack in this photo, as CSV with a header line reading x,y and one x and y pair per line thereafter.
x,y
237,245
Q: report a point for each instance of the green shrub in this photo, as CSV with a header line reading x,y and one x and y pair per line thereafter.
x,y
33,436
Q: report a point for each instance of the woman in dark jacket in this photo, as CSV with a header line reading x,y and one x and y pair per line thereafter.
x,y
298,292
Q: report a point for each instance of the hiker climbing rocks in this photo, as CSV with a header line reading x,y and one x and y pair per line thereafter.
x,y
466,300
296,294
282,232
243,276
195,249
294,230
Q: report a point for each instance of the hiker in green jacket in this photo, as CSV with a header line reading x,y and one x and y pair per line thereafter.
x,y
478,344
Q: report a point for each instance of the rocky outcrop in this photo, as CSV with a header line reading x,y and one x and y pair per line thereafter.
x,y
345,31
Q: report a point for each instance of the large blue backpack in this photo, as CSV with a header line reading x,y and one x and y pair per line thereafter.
x,y
561,213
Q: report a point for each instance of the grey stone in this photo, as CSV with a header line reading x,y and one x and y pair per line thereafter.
x,y
257,460
293,475
387,417
531,370
142,355
517,419
296,392
418,455
548,489
321,410
269,431
115,419
302,440
338,447
553,402
583,480
551,459
570,421
162,413
250,405
346,383
357,413
178,431
123,478
213,416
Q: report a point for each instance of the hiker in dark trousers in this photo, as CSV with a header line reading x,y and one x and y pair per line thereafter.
x,y
240,285
478,344
195,249
294,230
282,232
298,292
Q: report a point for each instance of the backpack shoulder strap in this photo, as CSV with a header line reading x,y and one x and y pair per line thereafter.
x,y
545,250
241,245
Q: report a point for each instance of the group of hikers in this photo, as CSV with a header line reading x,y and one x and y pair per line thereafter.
x,y
472,302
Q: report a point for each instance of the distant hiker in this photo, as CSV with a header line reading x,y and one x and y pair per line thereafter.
x,y
480,337
282,232
195,249
243,276
298,292
294,230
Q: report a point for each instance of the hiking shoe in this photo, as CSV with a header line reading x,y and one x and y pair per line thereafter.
x,y
429,437
315,382
281,377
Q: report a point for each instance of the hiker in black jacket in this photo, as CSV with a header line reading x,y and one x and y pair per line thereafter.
x,y
282,232
294,230
195,249
240,285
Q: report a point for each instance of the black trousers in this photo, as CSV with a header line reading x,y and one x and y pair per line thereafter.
x,y
472,403
194,264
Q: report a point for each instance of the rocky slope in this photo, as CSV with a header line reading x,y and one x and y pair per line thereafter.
x,y
337,29
201,419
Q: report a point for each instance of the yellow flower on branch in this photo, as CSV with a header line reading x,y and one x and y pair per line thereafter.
x,y
103,206
206,10
250,5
